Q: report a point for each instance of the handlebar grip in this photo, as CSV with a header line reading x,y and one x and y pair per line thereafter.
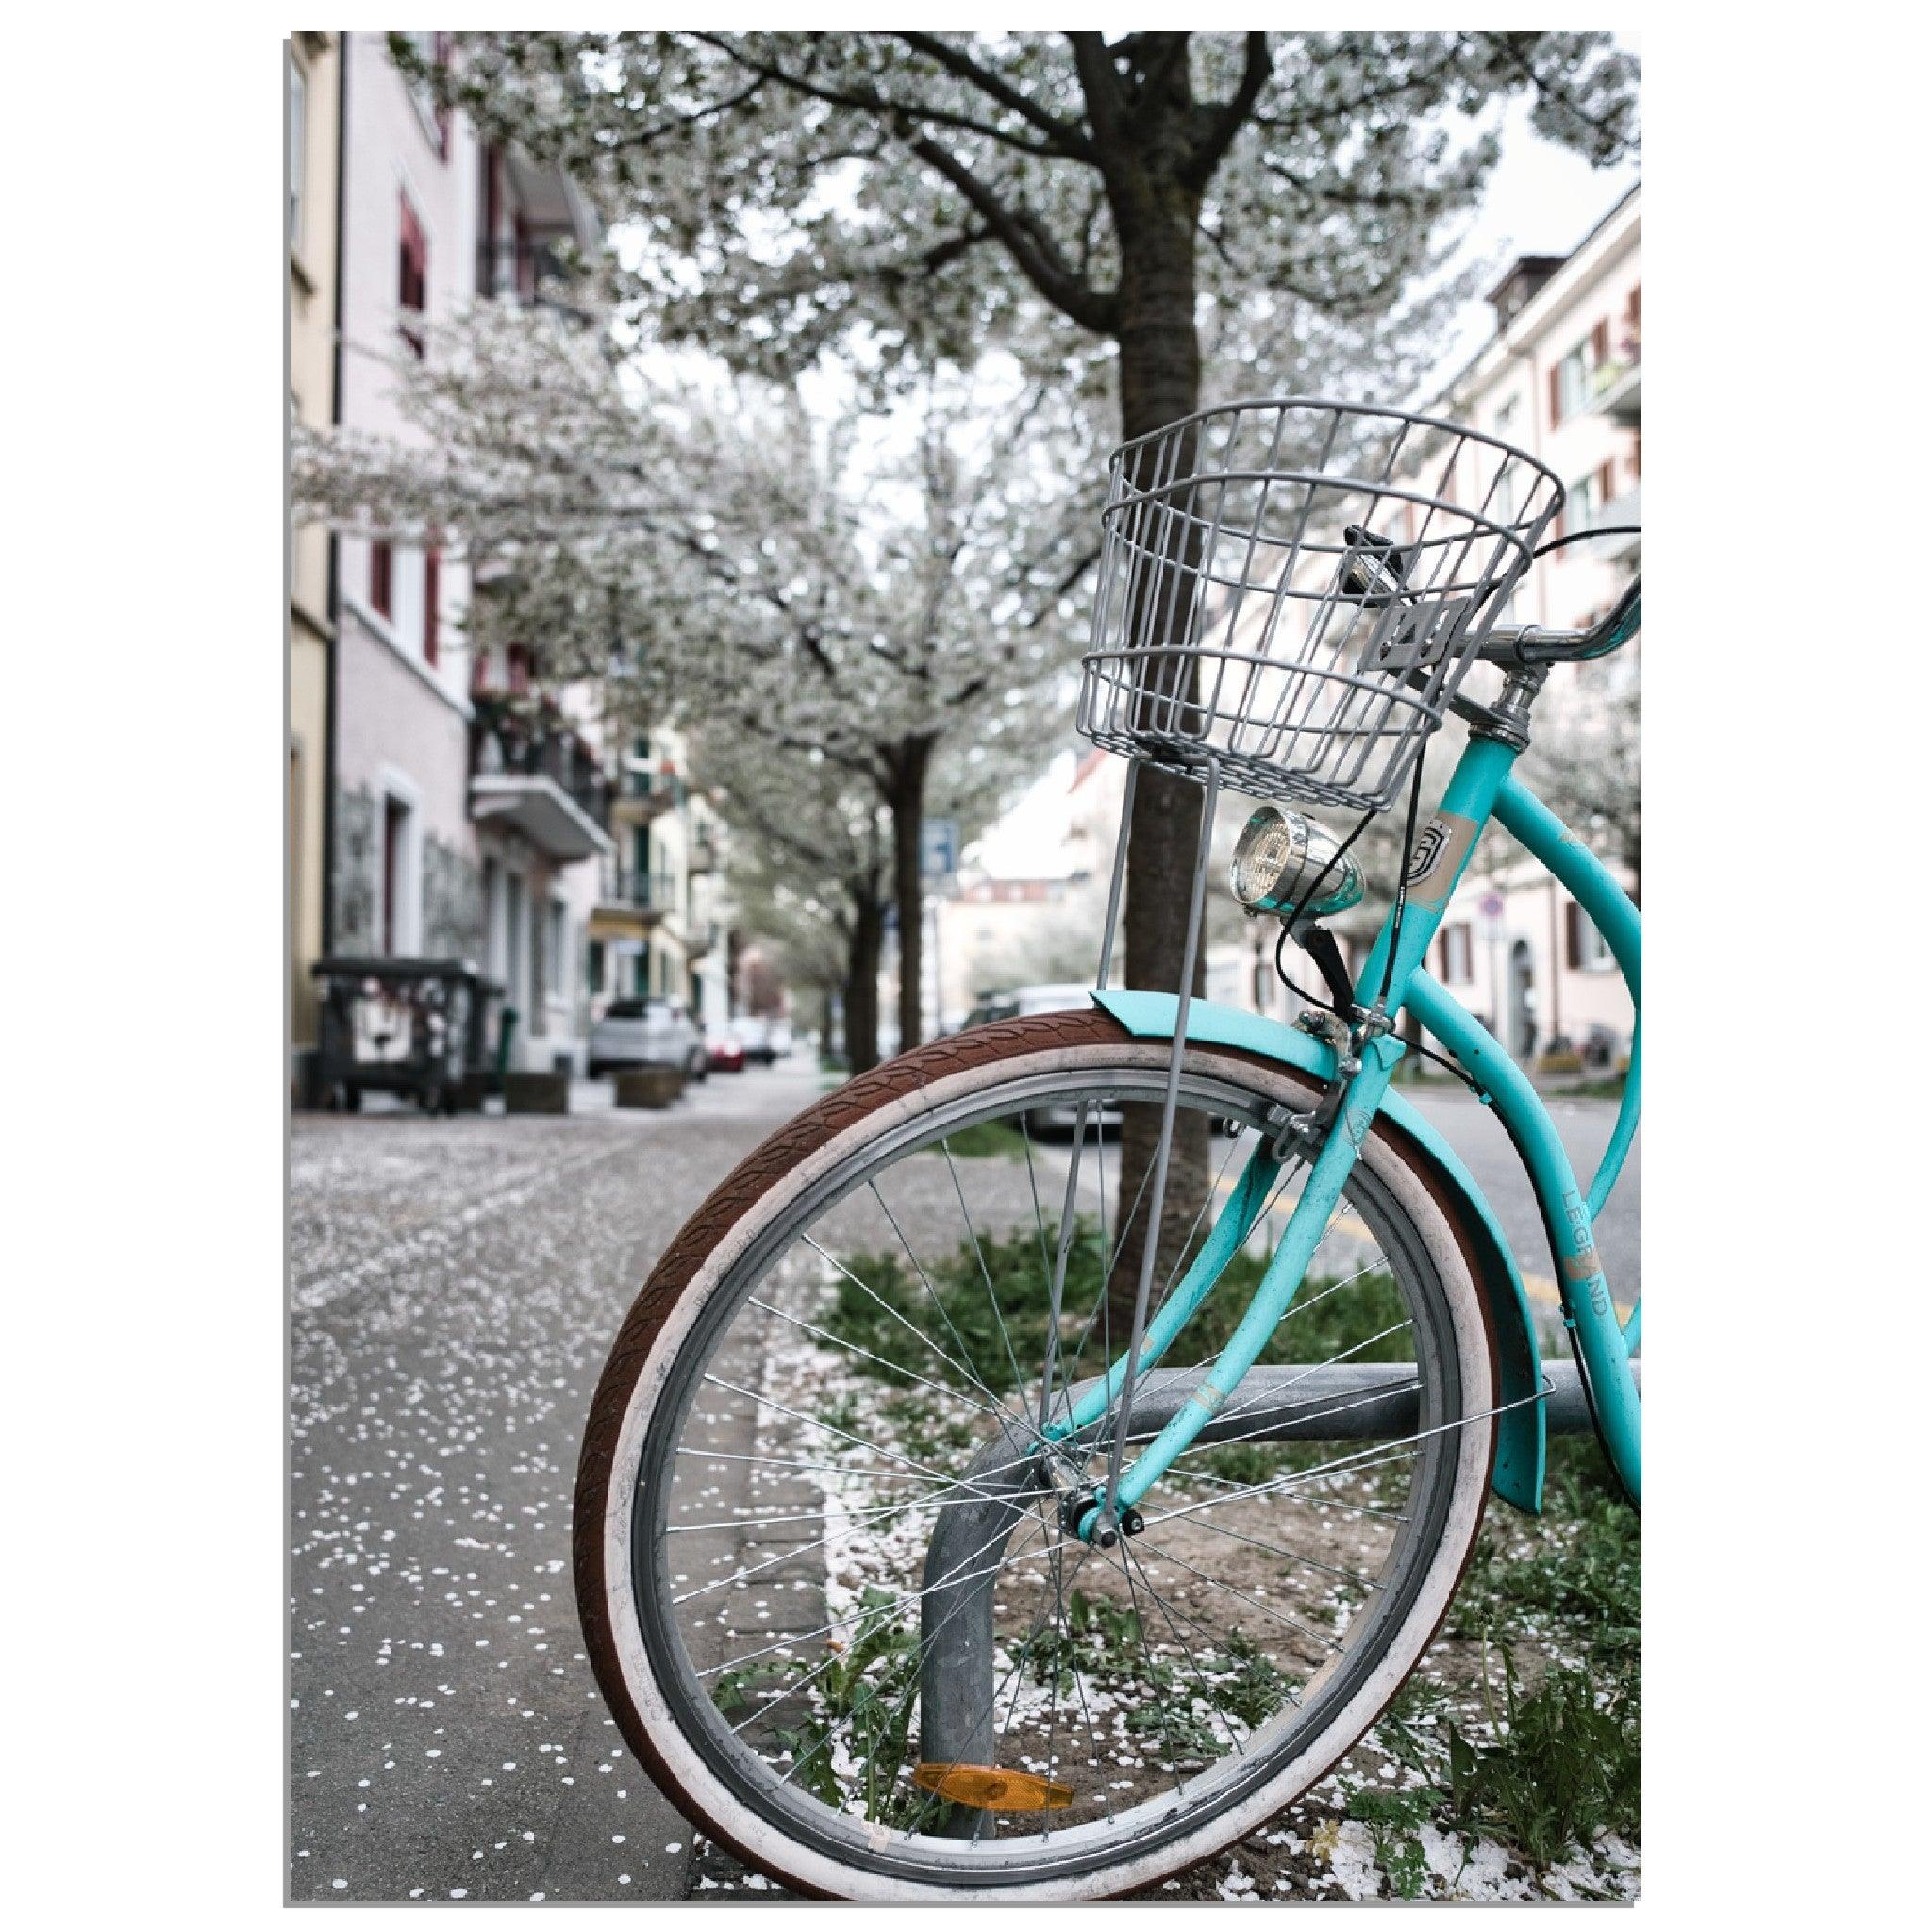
x,y
1527,645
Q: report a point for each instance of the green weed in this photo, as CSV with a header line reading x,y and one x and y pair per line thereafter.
x,y
1558,1769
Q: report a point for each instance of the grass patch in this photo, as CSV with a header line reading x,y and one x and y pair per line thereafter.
x,y
1556,1767
1582,1576
998,1293
1610,1089
988,1140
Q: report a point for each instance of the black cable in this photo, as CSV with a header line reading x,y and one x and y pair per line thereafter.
x,y
1415,792
1580,536
1308,999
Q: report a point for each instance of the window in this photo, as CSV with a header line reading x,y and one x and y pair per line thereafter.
x,y
1453,952
556,950
405,579
412,276
1573,379
298,141
432,571
395,860
594,968
1583,503
1584,947
382,577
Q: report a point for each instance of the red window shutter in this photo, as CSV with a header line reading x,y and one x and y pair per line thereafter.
x,y
518,666
432,568
1556,394
378,576
1634,307
1572,934
1557,531
1600,342
1607,481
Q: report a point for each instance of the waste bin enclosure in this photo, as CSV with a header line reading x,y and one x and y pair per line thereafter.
x,y
417,1027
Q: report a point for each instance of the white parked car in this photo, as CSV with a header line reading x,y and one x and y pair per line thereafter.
x,y
765,1040
647,1031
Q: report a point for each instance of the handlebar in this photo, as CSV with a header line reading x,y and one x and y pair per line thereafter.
x,y
1525,643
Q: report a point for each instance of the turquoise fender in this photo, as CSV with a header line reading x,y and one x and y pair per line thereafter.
x,y
1519,1436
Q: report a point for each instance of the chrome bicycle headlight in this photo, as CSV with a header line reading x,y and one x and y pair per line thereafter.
x,y
1279,855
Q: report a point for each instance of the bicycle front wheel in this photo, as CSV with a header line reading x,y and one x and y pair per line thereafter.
x,y
850,1355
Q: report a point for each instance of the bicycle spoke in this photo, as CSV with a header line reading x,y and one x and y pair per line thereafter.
x,y
979,1255
866,1354
958,1367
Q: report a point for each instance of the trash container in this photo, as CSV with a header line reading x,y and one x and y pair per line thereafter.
x,y
415,1027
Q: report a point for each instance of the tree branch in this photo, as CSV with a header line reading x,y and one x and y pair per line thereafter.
x,y
867,101
1066,135
1231,115
1025,240
1100,84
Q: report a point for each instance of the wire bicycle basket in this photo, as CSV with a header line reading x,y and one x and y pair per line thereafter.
x,y
1293,590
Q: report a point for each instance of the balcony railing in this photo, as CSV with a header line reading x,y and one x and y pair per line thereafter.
x,y
639,891
530,771
642,793
1617,388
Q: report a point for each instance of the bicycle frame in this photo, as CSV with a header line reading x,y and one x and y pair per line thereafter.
x,y
1483,787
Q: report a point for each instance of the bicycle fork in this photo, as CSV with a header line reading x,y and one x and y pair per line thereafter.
x,y
1331,1134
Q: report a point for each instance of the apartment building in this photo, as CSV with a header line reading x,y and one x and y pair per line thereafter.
x,y
314,136
469,807
659,924
1562,378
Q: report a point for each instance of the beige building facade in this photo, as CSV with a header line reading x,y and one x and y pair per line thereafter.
x,y
312,161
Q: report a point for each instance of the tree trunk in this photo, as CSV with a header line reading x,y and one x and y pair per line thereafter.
x,y
911,764
1160,383
862,983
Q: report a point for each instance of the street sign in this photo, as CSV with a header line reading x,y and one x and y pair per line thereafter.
x,y
1491,905
939,848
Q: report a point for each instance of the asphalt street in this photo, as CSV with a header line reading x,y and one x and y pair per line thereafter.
x,y
454,1285
454,1288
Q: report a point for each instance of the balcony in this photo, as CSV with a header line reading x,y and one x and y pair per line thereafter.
x,y
530,772
699,940
1627,508
704,853
646,792
1618,392
625,889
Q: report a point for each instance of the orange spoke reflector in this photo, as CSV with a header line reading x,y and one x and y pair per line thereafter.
x,y
986,1787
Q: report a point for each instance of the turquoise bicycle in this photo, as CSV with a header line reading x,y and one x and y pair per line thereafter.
x,y
968,1510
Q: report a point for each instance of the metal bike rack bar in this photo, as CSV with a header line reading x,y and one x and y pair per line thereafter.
x,y
1335,1401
